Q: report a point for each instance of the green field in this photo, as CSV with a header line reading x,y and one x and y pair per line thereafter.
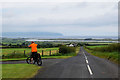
x,y
56,55
27,50
97,46
19,70
109,52
100,43
2,46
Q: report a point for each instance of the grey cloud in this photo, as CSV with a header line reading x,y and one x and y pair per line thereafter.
x,y
47,16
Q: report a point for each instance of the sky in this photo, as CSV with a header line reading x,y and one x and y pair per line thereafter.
x,y
67,18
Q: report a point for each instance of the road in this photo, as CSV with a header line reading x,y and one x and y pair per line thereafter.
x,y
83,65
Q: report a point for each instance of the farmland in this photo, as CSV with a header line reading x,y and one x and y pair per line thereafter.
x,y
96,46
18,53
18,48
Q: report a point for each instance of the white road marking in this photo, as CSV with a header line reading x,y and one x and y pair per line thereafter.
x,y
90,70
87,61
85,55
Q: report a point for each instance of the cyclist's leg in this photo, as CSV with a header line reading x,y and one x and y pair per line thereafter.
x,y
39,57
32,56
35,56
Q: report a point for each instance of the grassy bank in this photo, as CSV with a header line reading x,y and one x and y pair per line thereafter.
x,y
19,70
109,52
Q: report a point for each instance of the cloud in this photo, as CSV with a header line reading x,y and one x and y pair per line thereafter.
x,y
65,17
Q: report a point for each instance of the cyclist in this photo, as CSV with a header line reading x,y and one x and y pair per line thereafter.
x,y
33,50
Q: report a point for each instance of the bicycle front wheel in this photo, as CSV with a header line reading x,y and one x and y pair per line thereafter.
x,y
28,60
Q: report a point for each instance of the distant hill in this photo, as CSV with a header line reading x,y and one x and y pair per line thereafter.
x,y
30,34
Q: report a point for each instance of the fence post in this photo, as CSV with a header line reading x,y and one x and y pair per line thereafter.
x,y
57,51
42,52
50,52
14,52
24,52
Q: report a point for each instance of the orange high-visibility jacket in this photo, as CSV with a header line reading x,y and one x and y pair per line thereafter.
x,y
33,47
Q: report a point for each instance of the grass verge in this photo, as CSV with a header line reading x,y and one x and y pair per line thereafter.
x,y
19,70
45,57
112,56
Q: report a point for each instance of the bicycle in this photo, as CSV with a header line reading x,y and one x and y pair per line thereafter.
x,y
35,59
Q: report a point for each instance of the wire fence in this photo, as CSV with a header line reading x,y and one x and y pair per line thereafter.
x,y
28,52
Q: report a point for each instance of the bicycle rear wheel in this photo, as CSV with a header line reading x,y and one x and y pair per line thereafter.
x,y
39,61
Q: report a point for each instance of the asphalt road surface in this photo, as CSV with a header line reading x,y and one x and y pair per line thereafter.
x,y
83,65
